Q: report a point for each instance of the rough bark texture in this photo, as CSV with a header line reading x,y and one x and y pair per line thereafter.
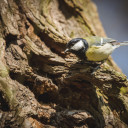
x,y
40,86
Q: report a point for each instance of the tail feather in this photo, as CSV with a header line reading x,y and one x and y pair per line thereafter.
x,y
124,43
120,43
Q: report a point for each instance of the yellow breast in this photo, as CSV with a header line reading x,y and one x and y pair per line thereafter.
x,y
99,53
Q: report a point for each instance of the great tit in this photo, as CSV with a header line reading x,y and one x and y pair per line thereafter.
x,y
93,48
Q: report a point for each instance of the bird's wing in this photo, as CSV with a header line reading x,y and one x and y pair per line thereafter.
x,y
99,41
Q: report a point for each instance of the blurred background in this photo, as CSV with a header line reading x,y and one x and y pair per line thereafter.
x,y
114,17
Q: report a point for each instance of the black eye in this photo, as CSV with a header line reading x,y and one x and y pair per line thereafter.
x,y
72,42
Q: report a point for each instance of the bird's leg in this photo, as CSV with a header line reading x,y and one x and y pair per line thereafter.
x,y
92,64
97,67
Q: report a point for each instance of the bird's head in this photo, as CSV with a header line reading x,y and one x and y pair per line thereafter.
x,y
77,46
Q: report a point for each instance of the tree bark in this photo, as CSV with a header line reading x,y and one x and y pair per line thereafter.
x,y
42,87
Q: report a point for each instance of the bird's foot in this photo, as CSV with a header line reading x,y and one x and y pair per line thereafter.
x,y
95,69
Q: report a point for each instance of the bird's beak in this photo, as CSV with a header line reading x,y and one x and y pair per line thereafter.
x,y
66,50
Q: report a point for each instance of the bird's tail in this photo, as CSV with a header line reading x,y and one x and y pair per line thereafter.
x,y
124,43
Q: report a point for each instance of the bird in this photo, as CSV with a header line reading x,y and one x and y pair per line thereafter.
x,y
93,48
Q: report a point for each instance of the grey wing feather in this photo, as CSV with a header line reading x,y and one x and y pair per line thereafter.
x,y
101,41
107,40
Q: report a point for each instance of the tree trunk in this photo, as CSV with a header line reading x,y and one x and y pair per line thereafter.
x,y
40,86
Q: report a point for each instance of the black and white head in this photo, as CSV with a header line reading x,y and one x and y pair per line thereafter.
x,y
78,46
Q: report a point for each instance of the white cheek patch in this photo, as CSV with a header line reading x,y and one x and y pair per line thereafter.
x,y
78,45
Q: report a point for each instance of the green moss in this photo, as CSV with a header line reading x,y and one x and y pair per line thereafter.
x,y
121,75
44,4
4,71
113,72
83,25
72,34
7,90
124,90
